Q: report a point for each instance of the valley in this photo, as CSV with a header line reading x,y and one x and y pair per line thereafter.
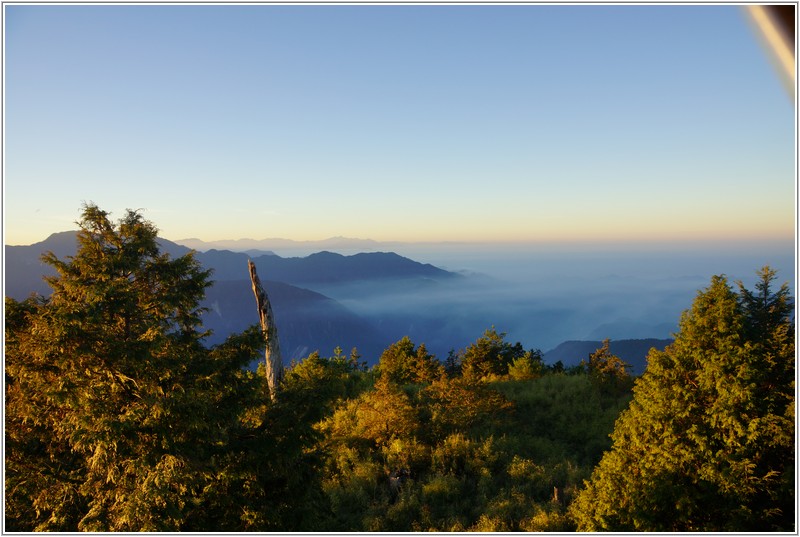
x,y
560,304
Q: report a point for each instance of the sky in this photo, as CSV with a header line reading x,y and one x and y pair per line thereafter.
x,y
397,122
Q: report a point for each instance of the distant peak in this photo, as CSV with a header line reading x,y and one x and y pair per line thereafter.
x,y
325,253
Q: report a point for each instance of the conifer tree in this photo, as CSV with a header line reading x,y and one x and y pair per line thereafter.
x,y
607,371
490,356
402,363
452,364
117,415
528,366
707,443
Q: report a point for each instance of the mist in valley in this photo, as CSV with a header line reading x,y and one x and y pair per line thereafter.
x,y
543,295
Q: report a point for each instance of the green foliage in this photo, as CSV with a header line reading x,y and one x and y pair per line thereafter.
x,y
608,371
526,367
401,363
560,417
459,404
378,416
109,380
452,364
707,443
118,418
766,312
490,356
479,455
319,383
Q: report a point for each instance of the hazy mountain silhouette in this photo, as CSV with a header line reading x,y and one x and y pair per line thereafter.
x,y
321,268
307,320
24,269
370,300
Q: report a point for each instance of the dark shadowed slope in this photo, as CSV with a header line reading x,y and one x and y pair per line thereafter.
x,y
306,320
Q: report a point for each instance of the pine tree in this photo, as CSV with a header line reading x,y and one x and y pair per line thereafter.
x,y
707,442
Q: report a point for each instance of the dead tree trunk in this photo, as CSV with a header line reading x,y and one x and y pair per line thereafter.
x,y
273,352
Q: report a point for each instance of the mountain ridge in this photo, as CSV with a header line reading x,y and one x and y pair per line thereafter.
x,y
319,267
307,319
367,300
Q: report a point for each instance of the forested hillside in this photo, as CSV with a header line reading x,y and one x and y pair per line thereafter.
x,y
119,417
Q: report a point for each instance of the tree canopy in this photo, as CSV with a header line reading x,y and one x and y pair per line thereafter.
x,y
490,356
707,443
401,363
118,418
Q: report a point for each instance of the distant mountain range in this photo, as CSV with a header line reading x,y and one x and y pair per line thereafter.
x,y
265,246
321,267
366,300
307,320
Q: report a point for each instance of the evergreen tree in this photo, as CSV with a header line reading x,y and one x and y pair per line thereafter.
x,y
117,416
528,366
401,363
490,356
707,443
452,364
607,371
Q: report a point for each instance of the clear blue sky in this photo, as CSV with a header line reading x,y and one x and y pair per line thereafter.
x,y
394,122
